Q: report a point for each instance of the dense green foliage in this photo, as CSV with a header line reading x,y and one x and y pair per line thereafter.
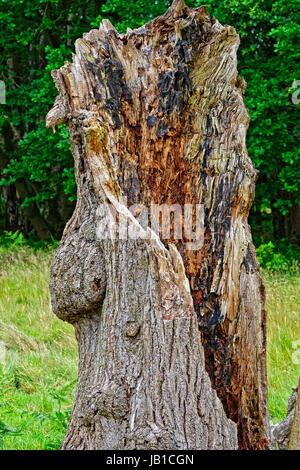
x,y
39,36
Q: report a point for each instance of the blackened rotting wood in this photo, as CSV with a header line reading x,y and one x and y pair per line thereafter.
x,y
117,87
151,121
97,82
173,86
183,51
165,82
114,74
223,201
127,92
162,128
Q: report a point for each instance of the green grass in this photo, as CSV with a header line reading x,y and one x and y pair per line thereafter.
x,y
38,353
283,329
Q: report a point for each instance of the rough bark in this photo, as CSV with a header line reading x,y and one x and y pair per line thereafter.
x,y
157,116
286,434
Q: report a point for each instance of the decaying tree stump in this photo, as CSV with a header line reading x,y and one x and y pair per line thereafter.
x,y
156,116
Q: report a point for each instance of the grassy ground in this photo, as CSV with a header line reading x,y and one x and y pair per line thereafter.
x,y
38,362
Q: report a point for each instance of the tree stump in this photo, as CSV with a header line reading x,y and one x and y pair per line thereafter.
x,y
156,120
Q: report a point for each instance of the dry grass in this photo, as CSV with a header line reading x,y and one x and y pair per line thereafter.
x,y
283,329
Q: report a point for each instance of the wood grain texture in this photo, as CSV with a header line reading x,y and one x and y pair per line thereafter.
x,y
157,116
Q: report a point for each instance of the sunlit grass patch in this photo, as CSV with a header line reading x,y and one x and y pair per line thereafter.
x,y
283,330
38,354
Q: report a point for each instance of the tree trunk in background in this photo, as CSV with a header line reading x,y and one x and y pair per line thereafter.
x,y
57,212
156,116
17,217
293,223
287,225
48,224
13,214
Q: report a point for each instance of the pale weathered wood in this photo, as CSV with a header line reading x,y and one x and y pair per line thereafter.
x,y
157,116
